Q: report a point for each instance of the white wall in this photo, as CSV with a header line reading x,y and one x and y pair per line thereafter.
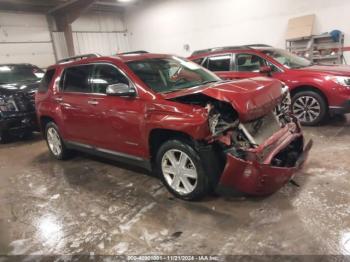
x,y
25,38
167,25
101,33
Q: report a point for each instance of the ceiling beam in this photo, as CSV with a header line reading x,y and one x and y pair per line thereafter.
x,y
67,13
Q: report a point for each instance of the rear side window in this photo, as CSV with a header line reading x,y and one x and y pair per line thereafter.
x,y
76,79
46,81
219,63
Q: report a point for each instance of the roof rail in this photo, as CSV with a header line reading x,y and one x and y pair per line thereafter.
x,y
223,48
134,52
258,45
78,57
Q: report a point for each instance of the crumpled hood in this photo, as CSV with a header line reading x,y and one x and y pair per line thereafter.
x,y
251,98
343,70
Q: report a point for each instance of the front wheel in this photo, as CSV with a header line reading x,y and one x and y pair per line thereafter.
x,y
181,170
309,107
4,137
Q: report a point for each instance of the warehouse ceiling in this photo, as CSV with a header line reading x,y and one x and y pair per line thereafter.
x,y
46,6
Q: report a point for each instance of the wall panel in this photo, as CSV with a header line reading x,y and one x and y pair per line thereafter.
x,y
25,38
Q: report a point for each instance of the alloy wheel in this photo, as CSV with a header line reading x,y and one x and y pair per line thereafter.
x,y
54,141
179,171
306,108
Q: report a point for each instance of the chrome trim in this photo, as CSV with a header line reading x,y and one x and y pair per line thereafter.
x,y
92,102
131,143
111,152
80,144
107,151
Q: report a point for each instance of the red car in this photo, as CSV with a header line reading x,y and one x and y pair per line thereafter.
x,y
168,114
317,90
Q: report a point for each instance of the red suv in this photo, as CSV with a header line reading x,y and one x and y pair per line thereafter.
x,y
317,90
166,113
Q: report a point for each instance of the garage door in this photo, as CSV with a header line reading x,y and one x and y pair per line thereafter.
x,y
25,38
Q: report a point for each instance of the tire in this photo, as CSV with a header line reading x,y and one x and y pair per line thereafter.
x,y
27,135
309,107
4,137
55,142
193,186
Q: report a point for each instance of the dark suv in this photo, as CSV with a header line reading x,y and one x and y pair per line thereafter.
x,y
18,84
316,90
166,113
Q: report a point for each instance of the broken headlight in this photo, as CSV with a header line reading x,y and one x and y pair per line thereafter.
x,y
284,109
7,105
221,118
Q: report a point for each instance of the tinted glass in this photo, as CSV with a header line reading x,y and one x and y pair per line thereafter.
x,y
249,62
19,73
287,59
105,75
45,82
171,74
219,63
76,79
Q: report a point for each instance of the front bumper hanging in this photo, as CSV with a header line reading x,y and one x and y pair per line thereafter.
x,y
258,176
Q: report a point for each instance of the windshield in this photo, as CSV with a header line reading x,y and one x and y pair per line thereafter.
x,y
170,74
287,59
19,73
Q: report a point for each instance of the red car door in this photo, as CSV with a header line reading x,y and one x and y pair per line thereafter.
x,y
245,66
73,99
117,120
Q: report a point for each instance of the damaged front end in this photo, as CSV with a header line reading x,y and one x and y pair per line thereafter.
x,y
261,155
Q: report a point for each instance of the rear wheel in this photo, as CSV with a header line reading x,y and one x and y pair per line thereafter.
x,y
55,142
4,138
309,107
27,134
182,171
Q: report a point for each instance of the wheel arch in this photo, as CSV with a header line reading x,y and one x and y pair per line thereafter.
x,y
44,120
159,135
302,88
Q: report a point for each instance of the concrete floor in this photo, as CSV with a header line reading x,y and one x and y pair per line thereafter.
x,y
90,206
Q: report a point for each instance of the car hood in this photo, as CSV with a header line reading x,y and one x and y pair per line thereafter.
x,y
26,87
343,70
251,98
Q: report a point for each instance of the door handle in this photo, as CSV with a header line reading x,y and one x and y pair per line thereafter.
x,y
58,99
93,102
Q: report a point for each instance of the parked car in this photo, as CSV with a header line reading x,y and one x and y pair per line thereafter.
x,y
18,84
170,115
317,90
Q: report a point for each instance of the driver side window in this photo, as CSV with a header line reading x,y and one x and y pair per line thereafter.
x,y
249,63
104,75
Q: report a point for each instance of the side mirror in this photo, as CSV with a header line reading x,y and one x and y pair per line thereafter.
x,y
265,70
120,89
